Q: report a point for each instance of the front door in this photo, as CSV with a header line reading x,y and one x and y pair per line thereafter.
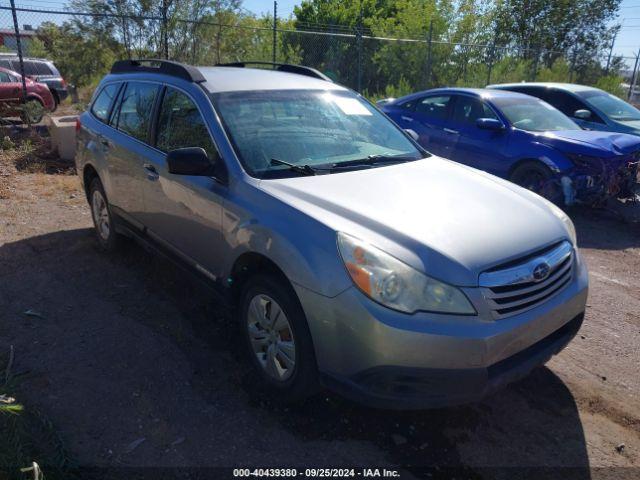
x,y
184,212
478,148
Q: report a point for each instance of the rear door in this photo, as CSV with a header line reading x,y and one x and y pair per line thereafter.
x,y
478,148
128,148
432,124
184,212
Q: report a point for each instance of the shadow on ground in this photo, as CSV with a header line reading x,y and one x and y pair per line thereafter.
x,y
124,347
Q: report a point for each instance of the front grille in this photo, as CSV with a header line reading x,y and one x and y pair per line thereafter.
x,y
522,286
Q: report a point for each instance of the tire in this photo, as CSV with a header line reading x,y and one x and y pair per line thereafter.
x,y
269,349
535,176
33,111
108,238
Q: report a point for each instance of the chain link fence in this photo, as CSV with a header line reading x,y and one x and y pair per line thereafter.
x,y
83,45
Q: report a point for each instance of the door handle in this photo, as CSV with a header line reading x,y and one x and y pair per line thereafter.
x,y
152,173
449,130
406,119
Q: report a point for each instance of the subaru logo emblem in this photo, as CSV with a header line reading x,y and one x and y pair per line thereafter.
x,y
541,271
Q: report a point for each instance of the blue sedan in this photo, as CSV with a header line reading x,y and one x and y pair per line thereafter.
x,y
523,139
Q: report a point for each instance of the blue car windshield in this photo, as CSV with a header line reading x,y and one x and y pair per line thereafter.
x,y
313,128
533,115
611,106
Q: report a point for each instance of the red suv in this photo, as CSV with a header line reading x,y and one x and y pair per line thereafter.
x,y
39,98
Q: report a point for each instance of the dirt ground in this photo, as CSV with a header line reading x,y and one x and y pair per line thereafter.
x,y
136,366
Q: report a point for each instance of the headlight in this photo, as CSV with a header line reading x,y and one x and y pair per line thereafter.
x,y
571,229
396,285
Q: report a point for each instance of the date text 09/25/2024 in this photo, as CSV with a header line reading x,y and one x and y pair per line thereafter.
x,y
316,472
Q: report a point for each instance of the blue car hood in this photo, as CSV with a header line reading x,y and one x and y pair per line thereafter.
x,y
589,142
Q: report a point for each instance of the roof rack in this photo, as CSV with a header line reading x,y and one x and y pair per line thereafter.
x,y
282,67
153,65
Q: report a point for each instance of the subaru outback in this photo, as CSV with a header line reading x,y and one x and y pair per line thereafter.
x,y
352,258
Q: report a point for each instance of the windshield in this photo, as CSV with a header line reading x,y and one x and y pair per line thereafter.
x,y
318,128
534,115
611,106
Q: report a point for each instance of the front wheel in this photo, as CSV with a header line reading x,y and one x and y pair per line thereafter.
x,y
32,111
277,338
537,177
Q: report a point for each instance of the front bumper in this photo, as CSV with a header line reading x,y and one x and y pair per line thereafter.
x,y
388,359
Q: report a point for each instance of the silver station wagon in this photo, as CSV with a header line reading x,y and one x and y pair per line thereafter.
x,y
352,258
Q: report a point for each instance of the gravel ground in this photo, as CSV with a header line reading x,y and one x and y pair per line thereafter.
x,y
136,366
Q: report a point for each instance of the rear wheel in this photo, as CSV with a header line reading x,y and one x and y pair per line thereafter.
x,y
102,219
277,338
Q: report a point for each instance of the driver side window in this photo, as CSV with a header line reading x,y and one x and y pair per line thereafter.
x,y
180,125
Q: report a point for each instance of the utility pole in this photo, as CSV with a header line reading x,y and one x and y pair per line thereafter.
x,y
613,42
19,45
634,76
429,53
275,26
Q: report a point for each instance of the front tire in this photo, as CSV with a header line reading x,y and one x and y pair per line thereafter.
x,y
108,238
33,111
277,338
536,177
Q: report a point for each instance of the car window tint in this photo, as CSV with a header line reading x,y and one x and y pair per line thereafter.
x,y
180,124
42,68
102,103
434,107
5,77
134,116
467,110
5,64
30,68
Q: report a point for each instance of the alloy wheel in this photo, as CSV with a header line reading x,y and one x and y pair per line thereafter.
x,y
100,215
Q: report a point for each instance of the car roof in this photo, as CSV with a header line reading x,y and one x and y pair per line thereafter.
x,y
570,87
232,79
484,93
235,79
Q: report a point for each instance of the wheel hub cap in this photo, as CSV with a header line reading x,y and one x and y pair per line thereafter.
x,y
100,215
271,337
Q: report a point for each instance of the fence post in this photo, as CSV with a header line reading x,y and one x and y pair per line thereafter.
x,y
536,59
165,30
359,47
429,54
19,45
572,65
275,26
633,76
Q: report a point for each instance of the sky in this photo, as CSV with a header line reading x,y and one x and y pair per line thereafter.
x,y
627,42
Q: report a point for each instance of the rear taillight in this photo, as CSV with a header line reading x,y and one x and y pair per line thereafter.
x,y
78,124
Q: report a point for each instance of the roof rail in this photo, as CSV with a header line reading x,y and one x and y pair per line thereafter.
x,y
282,67
153,65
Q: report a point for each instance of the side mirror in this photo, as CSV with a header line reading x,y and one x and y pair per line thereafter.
x,y
582,114
412,134
489,124
190,161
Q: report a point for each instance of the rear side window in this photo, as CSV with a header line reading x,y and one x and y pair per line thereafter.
x,y
180,124
434,107
42,68
6,64
30,68
5,77
103,101
136,108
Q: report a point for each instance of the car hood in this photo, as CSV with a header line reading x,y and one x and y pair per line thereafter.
x,y
590,142
445,219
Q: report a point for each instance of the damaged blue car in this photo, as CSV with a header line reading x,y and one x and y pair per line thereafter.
x,y
523,139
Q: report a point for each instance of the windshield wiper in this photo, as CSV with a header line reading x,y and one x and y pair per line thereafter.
x,y
371,160
303,169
